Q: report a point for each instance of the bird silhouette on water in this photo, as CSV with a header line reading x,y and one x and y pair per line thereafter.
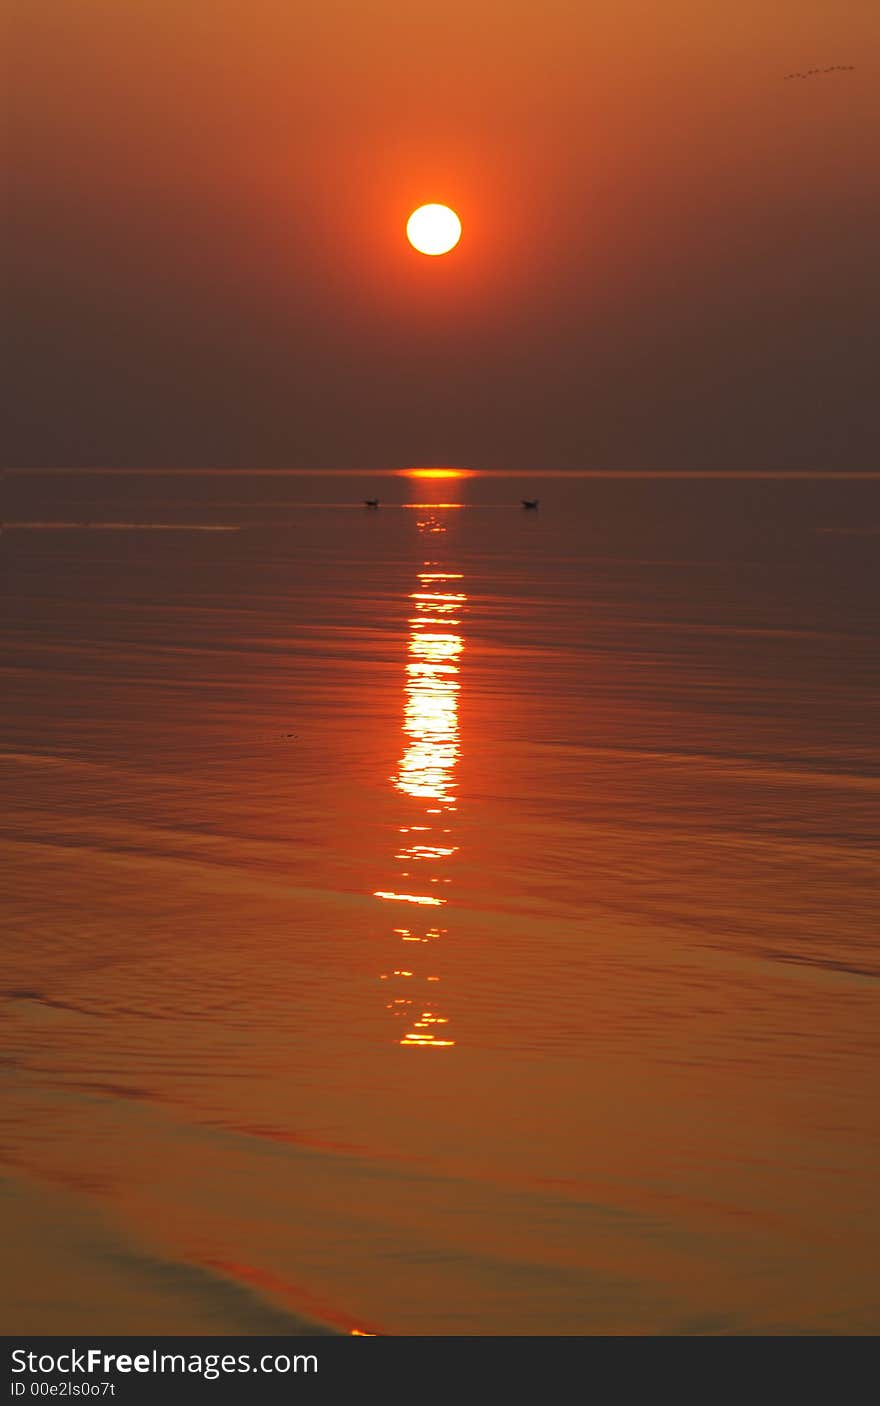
x,y
530,502
815,72
371,502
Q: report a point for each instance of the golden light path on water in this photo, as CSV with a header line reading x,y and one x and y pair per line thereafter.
x,y
426,774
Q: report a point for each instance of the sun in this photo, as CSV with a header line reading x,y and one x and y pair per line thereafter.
x,y
433,229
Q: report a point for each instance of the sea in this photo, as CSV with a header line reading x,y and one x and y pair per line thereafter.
x,y
443,917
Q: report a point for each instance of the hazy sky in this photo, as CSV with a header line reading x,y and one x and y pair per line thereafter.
x,y
669,256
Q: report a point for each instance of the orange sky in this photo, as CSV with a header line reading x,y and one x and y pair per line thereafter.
x,y
666,258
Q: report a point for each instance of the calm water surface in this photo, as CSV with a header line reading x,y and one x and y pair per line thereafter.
x,y
445,918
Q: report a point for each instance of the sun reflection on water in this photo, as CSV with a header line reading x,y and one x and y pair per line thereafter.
x,y
426,774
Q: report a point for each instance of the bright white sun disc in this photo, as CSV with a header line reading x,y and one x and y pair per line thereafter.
x,y
433,229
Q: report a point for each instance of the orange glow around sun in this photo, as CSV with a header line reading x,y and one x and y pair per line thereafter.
x,y
436,473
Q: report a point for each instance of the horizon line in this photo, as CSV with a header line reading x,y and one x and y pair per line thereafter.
x,y
463,470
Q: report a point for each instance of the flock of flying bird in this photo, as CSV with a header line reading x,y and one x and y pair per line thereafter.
x,y
814,72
